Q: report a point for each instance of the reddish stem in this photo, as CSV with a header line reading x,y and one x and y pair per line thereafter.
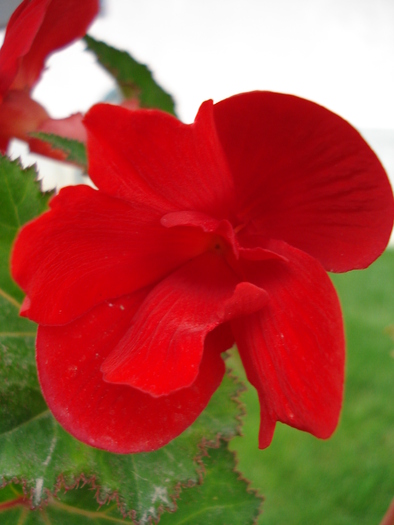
x,y
388,518
13,503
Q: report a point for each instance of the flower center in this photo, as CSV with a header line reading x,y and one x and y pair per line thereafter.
x,y
219,245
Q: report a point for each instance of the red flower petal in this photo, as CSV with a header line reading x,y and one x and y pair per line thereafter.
x,y
293,350
36,29
20,115
152,158
117,418
221,230
91,247
20,33
70,127
162,351
304,175
4,141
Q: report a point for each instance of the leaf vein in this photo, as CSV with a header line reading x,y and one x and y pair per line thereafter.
x,y
38,416
87,513
10,299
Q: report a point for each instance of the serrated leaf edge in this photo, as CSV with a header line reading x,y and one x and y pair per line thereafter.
x,y
203,447
46,137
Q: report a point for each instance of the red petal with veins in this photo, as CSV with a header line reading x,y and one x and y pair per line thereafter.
x,y
161,353
304,175
90,247
116,418
127,373
293,349
152,158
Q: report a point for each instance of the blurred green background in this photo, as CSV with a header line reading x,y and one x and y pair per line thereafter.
x,y
348,479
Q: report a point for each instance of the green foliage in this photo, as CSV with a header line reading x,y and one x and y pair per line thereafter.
x,y
20,395
36,452
21,201
78,506
348,479
134,79
222,498
75,151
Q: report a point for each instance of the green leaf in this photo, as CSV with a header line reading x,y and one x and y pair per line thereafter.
x,y
133,78
222,497
42,455
77,507
21,200
75,150
20,395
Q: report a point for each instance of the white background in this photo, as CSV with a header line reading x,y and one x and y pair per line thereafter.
x,y
339,53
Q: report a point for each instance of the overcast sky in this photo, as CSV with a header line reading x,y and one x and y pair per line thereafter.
x,y
339,53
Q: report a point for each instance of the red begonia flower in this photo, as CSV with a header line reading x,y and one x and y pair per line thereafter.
x,y
197,237
36,29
